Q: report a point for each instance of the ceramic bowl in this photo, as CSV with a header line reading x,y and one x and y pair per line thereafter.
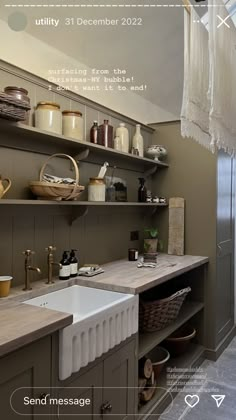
x,y
157,152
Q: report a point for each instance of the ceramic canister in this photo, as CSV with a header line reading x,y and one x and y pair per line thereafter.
x,y
48,117
96,189
73,124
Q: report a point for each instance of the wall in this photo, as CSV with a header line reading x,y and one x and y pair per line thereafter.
x,y
192,175
38,58
102,235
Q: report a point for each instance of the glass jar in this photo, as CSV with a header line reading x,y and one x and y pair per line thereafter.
x,y
48,117
96,189
22,95
123,133
73,124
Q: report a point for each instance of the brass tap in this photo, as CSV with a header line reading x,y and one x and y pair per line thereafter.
x,y
50,262
28,268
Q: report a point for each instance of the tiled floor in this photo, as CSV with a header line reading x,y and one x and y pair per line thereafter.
x,y
218,378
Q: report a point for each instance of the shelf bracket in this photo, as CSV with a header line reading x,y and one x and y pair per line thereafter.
x,y
77,212
150,171
80,156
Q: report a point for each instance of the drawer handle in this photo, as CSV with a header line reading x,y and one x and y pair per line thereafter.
x,y
106,407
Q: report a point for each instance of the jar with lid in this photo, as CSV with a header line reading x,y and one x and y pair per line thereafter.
x,y
73,124
105,134
123,133
96,189
22,95
48,117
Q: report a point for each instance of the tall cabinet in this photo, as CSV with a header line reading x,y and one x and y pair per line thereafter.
x,y
206,181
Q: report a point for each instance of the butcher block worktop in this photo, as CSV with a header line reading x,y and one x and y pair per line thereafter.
x,y
21,324
124,276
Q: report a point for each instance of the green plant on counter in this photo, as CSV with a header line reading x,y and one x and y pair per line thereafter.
x,y
151,241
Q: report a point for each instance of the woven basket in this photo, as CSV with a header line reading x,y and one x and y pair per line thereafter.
x,y
53,191
155,315
13,109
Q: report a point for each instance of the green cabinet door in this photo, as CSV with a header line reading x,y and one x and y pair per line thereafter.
x,y
87,386
119,392
25,374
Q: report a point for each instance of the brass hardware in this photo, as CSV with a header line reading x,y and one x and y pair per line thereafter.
x,y
106,407
50,249
28,268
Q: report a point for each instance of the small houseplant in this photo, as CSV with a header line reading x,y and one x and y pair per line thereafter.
x,y
151,240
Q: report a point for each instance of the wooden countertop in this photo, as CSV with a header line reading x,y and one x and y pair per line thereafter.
x,y
21,324
125,277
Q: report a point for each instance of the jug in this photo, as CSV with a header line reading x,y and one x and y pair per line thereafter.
x,y
2,189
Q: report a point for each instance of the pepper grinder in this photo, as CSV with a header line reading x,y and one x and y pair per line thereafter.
x,y
142,192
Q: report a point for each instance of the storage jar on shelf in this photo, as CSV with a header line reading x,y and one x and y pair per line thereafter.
x,y
73,124
96,189
105,134
48,117
137,142
94,133
123,133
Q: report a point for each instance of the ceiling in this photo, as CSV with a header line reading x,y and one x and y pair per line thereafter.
x,y
151,53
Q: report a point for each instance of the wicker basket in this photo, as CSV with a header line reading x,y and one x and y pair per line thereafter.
x,y
53,191
155,315
13,109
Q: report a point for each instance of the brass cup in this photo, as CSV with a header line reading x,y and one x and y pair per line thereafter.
x,y
5,284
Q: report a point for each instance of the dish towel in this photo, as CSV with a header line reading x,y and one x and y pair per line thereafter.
x,y
208,112
196,105
222,80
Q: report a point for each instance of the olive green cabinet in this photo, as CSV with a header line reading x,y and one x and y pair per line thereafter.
x,y
25,374
109,383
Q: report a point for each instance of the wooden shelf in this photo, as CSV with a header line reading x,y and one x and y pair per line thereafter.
x,y
78,203
147,341
191,359
23,137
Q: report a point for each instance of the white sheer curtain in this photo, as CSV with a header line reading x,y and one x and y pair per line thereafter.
x,y
209,99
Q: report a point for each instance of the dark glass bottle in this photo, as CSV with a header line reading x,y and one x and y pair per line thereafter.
x,y
142,192
73,264
105,134
94,133
64,272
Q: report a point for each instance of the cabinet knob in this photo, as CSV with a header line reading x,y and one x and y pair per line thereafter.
x,y
106,407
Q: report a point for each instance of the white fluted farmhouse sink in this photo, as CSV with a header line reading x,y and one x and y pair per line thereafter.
x,y
101,320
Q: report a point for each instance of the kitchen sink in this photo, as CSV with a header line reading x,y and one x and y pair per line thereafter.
x,y
101,320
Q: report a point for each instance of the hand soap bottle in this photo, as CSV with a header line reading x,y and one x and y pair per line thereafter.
x,y
64,273
73,264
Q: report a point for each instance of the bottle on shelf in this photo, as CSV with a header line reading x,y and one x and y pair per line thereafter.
x,y
64,273
123,133
105,134
137,142
117,144
142,192
73,263
94,133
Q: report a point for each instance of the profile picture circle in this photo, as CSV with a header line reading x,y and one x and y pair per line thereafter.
x,y
17,21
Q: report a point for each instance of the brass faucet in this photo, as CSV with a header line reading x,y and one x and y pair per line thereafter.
x,y
50,262
28,268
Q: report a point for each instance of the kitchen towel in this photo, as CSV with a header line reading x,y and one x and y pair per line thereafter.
x,y
195,106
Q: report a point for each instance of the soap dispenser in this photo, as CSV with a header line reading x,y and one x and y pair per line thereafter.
x,y
73,263
64,273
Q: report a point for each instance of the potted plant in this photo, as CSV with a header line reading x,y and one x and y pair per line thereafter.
x,y
151,240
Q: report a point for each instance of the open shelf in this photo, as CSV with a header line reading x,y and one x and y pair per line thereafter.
x,y
79,203
147,341
192,358
32,139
